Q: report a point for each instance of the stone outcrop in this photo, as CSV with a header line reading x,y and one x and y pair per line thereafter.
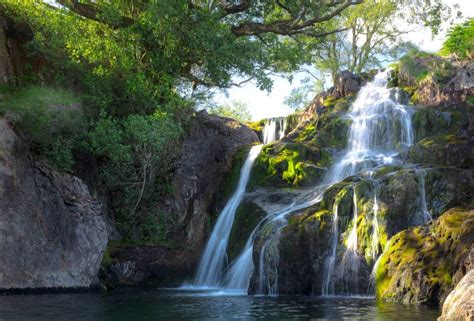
x,y
206,157
52,232
459,305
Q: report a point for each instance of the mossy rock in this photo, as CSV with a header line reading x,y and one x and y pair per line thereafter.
x,y
422,264
257,127
444,149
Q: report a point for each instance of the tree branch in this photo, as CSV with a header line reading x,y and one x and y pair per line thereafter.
x,y
93,12
288,26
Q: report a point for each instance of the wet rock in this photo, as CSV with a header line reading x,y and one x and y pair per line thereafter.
x,y
52,231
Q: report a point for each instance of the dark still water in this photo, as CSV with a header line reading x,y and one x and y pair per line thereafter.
x,y
188,305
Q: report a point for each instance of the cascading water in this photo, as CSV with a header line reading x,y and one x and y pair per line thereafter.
x,y
241,270
381,129
422,191
274,129
375,229
213,261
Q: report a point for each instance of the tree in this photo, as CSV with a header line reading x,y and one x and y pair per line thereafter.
x,y
372,34
237,110
460,40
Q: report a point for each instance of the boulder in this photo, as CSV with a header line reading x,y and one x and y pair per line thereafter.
x,y
422,264
459,305
52,231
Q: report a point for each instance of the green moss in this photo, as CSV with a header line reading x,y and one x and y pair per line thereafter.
x,y
470,100
106,260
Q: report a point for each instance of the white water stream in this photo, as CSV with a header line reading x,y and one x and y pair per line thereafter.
x,y
213,261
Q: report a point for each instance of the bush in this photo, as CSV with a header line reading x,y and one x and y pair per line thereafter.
x,y
136,156
50,118
460,41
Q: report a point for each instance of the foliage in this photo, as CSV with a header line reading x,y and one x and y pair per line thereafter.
x,y
237,110
460,40
136,152
51,118
301,96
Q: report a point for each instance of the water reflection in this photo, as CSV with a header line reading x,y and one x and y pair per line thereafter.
x,y
200,305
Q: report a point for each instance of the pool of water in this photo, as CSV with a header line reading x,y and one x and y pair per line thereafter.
x,y
162,304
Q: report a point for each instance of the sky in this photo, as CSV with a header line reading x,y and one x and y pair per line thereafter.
x,y
264,105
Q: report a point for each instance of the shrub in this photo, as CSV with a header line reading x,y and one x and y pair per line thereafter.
x,y
136,156
50,118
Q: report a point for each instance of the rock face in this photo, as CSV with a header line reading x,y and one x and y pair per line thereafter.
x,y
52,233
206,156
459,305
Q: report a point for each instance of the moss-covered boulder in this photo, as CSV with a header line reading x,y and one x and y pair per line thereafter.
x,y
422,264
289,165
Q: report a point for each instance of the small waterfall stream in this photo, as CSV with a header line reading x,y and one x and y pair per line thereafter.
x,y
422,191
274,129
331,259
213,261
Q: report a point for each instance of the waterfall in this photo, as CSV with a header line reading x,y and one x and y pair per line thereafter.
x,y
241,270
213,260
422,191
331,259
352,239
274,129
381,129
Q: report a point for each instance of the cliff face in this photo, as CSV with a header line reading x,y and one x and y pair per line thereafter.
x,y
52,233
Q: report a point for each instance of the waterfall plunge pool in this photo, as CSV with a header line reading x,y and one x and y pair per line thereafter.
x,y
177,304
